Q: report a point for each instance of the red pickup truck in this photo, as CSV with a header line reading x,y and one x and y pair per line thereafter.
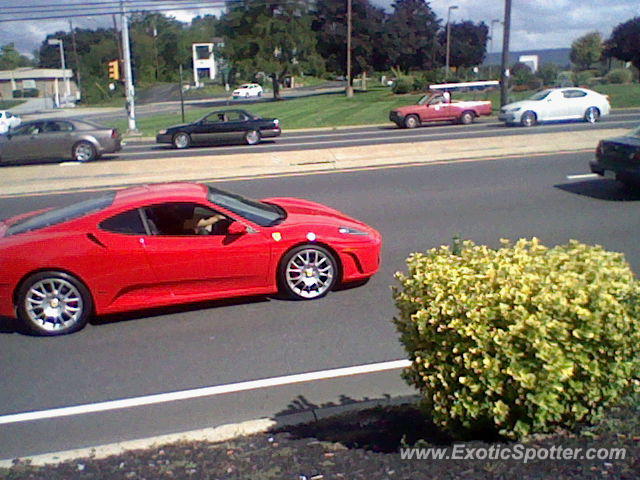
x,y
438,107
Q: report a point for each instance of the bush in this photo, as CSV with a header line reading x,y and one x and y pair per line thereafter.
x,y
518,340
403,84
619,75
582,78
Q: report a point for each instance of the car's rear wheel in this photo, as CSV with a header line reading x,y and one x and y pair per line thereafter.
x,y
181,140
53,303
83,152
252,137
466,118
528,119
411,121
307,272
592,115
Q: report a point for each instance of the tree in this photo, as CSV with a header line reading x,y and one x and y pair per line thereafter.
x,y
624,43
11,59
270,38
368,50
411,32
468,43
586,50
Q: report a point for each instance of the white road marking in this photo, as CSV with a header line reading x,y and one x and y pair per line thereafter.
x,y
585,175
202,392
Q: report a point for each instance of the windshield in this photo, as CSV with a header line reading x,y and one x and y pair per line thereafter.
x,y
59,215
540,95
263,214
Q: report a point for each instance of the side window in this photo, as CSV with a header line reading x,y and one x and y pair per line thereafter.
x,y
185,219
235,117
9,115
128,223
573,94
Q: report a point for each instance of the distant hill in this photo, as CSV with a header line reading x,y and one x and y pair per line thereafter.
x,y
559,56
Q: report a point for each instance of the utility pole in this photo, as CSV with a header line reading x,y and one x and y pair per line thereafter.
x,y
128,79
349,90
504,71
75,56
446,68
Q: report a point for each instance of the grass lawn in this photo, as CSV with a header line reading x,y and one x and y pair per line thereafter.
x,y
364,108
9,104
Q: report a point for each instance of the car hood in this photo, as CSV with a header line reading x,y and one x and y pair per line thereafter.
x,y
406,110
175,127
521,104
301,211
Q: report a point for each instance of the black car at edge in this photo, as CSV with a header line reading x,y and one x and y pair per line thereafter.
x,y
222,126
619,158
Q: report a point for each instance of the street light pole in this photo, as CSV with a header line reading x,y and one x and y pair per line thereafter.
x,y
493,22
504,72
128,80
446,69
67,85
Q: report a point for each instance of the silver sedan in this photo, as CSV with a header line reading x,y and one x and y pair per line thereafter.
x,y
58,139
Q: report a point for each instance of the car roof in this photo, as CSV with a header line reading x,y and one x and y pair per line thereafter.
x,y
160,192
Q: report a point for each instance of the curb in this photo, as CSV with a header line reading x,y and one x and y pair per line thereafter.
x,y
211,435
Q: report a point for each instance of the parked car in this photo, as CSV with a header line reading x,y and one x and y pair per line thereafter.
x,y
131,249
8,120
557,104
223,126
57,139
619,158
247,90
438,107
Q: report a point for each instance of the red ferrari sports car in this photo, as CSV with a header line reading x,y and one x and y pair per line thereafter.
x,y
173,243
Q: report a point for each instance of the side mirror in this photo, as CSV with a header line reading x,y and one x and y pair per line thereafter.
x,y
237,228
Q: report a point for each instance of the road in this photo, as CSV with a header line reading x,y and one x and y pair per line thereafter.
x,y
377,135
166,350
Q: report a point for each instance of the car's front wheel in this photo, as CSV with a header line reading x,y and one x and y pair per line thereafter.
x,y
528,119
181,140
307,272
83,152
252,137
53,303
411,121
592,115
467,118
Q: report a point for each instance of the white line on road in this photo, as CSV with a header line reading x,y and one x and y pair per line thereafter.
x,y
585,175
202,392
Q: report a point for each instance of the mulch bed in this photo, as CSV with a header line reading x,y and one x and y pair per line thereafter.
x,y
357,445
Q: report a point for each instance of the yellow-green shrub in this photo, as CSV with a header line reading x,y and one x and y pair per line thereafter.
x,y
522,339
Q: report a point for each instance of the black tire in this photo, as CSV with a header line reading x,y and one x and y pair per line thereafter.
x,y
318,272
411,121
181,140
252,137
592,115
66,303
528,119
84,151
467,118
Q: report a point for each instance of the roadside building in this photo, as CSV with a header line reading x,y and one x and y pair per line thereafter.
x,y
52,83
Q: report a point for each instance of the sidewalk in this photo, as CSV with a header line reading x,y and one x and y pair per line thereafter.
x,y
51,178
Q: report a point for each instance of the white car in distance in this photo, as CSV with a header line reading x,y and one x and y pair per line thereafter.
x,y
8,120
555,104
247,90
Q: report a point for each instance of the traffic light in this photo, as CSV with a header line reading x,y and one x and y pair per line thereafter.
x,y
114,70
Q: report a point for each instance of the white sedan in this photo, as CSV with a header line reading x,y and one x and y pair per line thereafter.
x,y
557,104
8,120
247,90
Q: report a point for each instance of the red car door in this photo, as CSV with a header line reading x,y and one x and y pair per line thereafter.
x,y
208,265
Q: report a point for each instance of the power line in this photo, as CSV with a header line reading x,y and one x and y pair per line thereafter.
x,y
173,5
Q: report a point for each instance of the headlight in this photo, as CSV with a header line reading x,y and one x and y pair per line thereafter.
x,y
517,109
352,231
162,132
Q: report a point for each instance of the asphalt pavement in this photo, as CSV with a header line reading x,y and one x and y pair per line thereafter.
x,y
415,207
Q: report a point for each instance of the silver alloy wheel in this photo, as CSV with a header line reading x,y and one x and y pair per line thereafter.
x,y
528,119
53,304
466,118
181,140
252,137
83,152
592,115
411,121
309,273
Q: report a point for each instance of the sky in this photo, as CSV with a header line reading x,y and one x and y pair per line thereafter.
x,y
535,24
